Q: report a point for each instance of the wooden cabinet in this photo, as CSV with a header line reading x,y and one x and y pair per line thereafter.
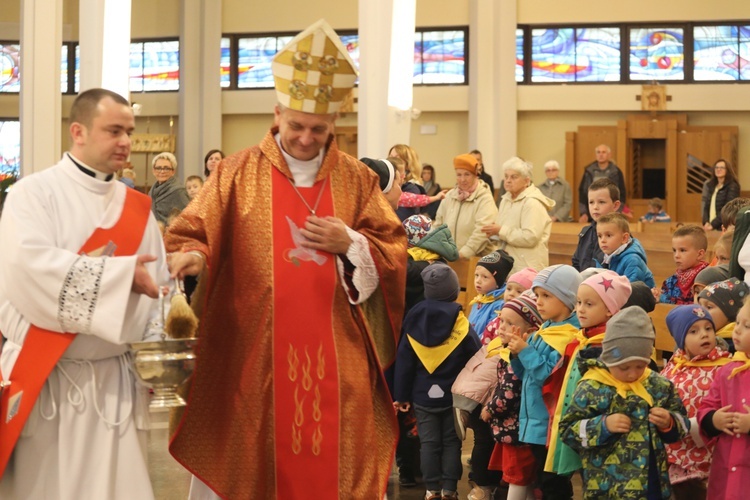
x,y
660,156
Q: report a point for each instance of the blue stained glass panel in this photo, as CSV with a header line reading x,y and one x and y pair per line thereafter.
x,y
656,54
136,67
519,55
161,66
10,68
225,62
553,55
744,52
716,52
443,58
10,147
351,42
64,69
254,61
77,82
597,55
575,55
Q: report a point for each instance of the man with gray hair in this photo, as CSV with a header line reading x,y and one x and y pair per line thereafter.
x,y
557,189
601,167
304,301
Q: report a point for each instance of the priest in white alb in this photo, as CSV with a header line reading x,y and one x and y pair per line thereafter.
x,y
82,261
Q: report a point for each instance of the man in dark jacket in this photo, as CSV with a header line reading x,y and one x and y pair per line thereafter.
x,y
602,167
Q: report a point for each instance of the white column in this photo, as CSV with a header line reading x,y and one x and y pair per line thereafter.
x,y
493,104
41,43
386,46
200,92
104,34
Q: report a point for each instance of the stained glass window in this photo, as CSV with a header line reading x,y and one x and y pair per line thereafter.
x,y
225,61
575,55
519,55
254,61
440,57
136,67
598,54
77,82
10,69
10,147
64,69
721,53
656,54
154,66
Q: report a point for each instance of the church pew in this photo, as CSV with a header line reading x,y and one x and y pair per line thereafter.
x,y
664,341
658,246
464,269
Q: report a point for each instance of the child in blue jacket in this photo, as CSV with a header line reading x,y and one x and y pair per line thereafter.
x,y
489,281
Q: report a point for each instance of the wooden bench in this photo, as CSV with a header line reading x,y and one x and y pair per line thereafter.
x,y
664,341
465,270
657,243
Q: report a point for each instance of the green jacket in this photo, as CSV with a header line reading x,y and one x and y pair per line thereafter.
x,y
440,241
616,465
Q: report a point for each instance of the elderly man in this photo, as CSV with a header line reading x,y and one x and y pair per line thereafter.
x,y
306,276
80,253
556,188
602,167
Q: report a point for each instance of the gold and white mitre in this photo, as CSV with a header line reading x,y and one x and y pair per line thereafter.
x,y
314,72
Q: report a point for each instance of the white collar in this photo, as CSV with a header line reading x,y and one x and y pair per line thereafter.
x,y
303,171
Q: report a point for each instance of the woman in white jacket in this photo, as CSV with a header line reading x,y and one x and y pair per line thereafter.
x,y
522,225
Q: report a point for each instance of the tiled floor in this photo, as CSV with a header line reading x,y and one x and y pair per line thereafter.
x,y
172,482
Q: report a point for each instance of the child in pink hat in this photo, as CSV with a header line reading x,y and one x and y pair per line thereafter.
x,y
599,298
518,283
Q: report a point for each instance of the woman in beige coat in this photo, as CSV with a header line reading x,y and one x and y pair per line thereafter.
x,y
467,208
523,225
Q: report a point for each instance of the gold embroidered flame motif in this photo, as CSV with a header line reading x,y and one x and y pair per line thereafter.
x,y
306,378
305,383
293,361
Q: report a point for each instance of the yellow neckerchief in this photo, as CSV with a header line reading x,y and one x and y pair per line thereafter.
x,y
740,356
432,357
496,348
422,254
726,331
680,361
484,298
603,376
583,341
558,336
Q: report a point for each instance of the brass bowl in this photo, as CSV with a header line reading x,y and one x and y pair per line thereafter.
x,y
163,366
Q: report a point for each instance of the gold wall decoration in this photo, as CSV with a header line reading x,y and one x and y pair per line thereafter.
x,y
654,98
152,143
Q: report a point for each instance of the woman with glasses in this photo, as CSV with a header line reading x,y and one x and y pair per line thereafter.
x,y
720,189
167,194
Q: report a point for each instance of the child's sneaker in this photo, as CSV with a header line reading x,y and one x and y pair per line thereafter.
x,y
481,493
432,495
449,495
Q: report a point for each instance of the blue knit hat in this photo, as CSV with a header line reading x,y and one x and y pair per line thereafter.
x,y
562,281
681,318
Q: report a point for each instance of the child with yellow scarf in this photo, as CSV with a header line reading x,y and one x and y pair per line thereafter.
x,y
622,414
691,369
599,298
724,417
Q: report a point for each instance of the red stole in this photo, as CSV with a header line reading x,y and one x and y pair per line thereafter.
x,y
305,371
43,348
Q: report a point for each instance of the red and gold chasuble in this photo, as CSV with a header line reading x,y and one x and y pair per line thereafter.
x,y
305,374
289,371
43,348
